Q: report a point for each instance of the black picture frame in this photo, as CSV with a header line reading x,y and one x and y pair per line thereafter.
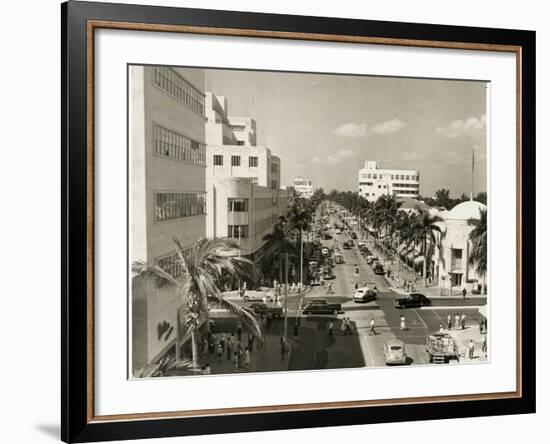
x,y
77,424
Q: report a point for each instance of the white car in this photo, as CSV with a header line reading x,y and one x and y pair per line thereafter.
x,y
324,251
364,294
394,352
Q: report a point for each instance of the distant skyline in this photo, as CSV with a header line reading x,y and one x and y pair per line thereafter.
x,y
324,127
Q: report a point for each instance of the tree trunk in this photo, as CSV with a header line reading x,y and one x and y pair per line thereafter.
x,y
195,347
483,286
425,260
178,334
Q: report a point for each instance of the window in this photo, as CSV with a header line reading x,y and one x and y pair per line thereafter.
x,y
237,231
273,184
240,142
176,205
237,205
407,177
368,176
253,161
168,143
274,167
392,177
218,160
374,176
178,88
254,180
235,161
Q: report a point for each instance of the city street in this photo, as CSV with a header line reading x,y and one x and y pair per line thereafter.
x,y
316,349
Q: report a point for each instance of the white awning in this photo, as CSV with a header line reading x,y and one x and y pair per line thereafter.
x,y
418,259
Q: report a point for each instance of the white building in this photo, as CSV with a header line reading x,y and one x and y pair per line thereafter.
x,y
375,182
168,193
451,257
243,180
304,187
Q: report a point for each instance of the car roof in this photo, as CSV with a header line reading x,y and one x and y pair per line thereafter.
x,y
393,342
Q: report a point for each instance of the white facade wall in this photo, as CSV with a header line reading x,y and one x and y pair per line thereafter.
x,y
153,171
304,187
374,182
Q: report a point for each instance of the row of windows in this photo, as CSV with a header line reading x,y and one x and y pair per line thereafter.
x,y
237,205
171,264
274,167
170,144
179,88
236,161
406,185
237,231
393,176
412,192
175,205
274,184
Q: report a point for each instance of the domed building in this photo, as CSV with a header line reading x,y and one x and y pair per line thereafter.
x,y
451,257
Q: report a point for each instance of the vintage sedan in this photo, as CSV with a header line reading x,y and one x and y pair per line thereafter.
x,y
394,352
262,308
379,269
413,300
364,294
322,308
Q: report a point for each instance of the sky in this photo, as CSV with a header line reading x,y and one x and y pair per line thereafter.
x,y
324,126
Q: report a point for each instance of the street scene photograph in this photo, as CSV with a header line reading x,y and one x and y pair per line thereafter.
x,y
283,221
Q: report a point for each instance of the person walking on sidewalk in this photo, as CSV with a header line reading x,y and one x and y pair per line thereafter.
x,y
402,325
330,327
464,293
283,348
247,357
372,330
449,321
463,321
229,348
457,321
239,330
471,349
220,353
295,334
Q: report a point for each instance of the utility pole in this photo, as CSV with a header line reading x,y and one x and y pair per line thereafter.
x,y
286,295
301,259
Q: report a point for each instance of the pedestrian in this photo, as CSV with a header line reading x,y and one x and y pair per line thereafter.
x,y
464,293
206,369
204,343
295,335
463,321
240,356
484,345
343,326
229,348
250,341
330,327
471,349
480,326
356,286
457,321
222,341
239,330
283,347
402,325
236,361
247,357
372,330
449,321
220,353
441,328
349,327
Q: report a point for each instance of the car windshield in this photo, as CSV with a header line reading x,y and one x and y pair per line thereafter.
x,y
395,347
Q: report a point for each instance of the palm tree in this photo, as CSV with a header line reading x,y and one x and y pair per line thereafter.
x,y
299,218
425,227
205,269
478,237
386,213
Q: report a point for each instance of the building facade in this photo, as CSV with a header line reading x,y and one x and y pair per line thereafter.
x,y
304,187
168,192
243,180
374,182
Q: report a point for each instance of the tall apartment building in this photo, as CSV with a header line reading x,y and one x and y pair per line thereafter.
x,y
375,182
245,197
168,191
303,187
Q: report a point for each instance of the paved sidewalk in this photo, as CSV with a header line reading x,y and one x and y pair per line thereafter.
x,y
463,337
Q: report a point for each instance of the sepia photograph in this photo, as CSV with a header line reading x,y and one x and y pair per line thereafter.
x,y
296,221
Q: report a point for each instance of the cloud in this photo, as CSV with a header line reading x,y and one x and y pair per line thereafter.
x,y
344,154
351,130
315,159
462,127
361,130
333,160
388,127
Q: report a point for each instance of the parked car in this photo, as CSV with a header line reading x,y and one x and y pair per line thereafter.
x,y
328,236
379,269
394,352
339,258
371,259
412,300
324,251
347,246
364,294
353,235
324,308
263,308
251,295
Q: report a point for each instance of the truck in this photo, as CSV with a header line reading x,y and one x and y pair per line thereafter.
x,y
442,348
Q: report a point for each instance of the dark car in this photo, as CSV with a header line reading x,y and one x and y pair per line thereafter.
x,y
322,308
379,269
353,235
413,300
347,246
328,236
262,308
